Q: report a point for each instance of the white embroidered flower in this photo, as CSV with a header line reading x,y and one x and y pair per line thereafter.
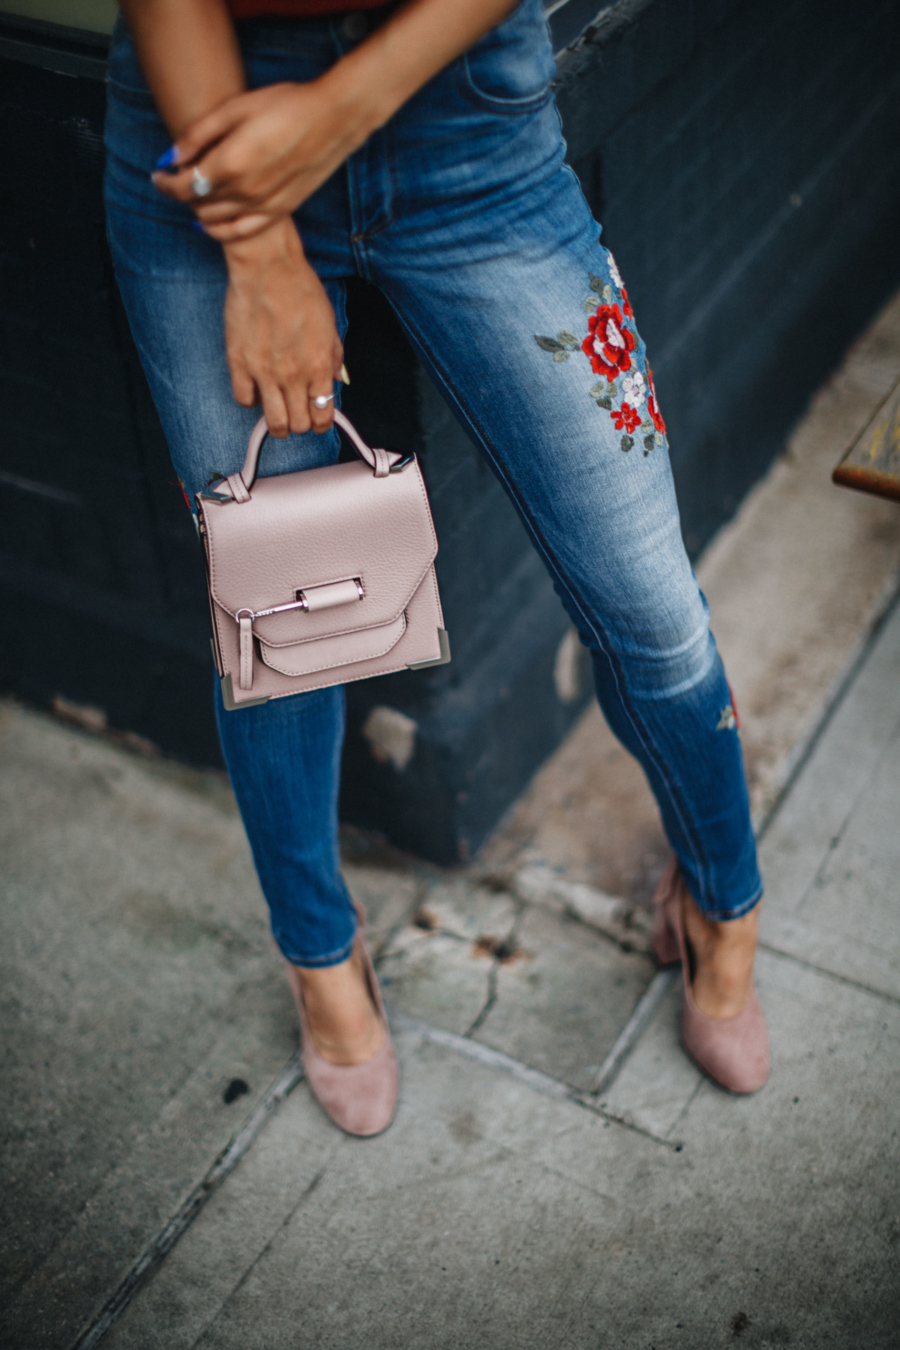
x,y
634,389
613,334
614,271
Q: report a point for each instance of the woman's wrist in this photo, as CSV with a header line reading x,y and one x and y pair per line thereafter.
x,y
279,240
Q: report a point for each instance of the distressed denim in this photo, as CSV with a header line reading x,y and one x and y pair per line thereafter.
x,y
464,213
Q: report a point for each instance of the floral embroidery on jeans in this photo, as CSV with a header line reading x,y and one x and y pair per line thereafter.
x,y
608,346
633,389
653,406
560,346
626,417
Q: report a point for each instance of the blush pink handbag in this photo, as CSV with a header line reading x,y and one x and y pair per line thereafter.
x,y
320,577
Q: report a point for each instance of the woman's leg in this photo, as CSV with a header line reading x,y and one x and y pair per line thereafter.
x,y
521,315
599,504
284,756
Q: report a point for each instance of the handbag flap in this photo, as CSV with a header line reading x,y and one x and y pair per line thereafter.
x,y
306,658
314,528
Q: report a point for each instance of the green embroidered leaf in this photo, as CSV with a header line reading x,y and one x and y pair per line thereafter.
x,y
568,340
561,356
547,344
627,443
649,442
659,438
604,403
611,389
646,425
589,304
596,284
607,293
599,390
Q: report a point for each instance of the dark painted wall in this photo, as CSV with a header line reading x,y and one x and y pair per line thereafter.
x,y
743,159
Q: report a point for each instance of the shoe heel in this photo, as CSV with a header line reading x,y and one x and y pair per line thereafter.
x,y
664,941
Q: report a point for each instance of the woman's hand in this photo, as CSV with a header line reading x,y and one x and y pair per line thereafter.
x,y
264,153
281,339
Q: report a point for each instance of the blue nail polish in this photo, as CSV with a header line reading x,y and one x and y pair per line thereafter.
x,y
197,226
166,160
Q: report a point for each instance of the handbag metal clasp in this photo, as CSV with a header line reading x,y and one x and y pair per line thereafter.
x,y
312,598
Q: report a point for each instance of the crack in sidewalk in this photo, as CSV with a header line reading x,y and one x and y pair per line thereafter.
x,y
156,1252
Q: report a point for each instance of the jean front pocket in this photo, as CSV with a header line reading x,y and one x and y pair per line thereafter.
x,y
510,70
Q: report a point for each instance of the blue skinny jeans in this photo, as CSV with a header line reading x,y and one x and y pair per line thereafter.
x,y
464,213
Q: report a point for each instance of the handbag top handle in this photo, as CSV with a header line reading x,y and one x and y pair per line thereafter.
x,y
382,462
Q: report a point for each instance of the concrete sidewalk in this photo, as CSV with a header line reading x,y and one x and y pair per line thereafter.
x,y
506,1209
505,1213
559,1174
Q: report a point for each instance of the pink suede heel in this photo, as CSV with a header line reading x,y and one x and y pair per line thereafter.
x,y
734,1051
664,941
360,1098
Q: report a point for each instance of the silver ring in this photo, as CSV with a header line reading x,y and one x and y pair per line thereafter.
x,y
322,400
201,184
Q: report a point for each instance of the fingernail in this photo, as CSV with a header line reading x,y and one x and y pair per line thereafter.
x,y
344,375
170,157
195,224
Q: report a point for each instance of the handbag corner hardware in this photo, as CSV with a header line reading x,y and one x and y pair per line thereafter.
x,y
442,660
214,500
231,704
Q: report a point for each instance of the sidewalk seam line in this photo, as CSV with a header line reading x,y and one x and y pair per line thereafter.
x,y
772,950
536,1079
803,750
634,1029
154,1254
263,1251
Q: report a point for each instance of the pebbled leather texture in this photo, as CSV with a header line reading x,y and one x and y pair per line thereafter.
x,y
306,544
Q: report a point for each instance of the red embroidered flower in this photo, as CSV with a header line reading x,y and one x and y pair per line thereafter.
x,y
652,405
626,418
626,305
609,343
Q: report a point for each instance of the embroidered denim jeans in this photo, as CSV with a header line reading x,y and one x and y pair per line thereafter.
x,y
464,213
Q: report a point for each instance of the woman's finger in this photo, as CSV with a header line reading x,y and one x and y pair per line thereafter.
x,y
321,406
297,400
219,211
275,410
183,185
207,181
242,228
242,382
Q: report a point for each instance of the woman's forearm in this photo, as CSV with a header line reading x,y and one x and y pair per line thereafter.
x,y
417,42
189,54
401,56
265,152
190,57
